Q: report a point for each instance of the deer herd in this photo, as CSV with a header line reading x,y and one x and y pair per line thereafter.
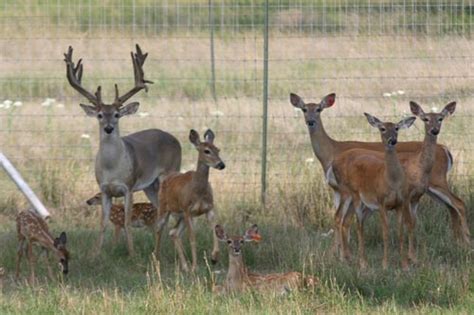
x,y
364,177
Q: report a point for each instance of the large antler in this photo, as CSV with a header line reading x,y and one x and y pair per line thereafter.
x,y
138,60
74,76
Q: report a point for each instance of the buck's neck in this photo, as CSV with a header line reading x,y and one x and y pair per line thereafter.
x,y
393,167
237,272
323,145
201,176
111,148
427,154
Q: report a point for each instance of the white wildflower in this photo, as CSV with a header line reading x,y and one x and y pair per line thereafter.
x,y
180,118
60,105
309,160
328,233
18,103
400,92
48,102
85,136
217,113
2,105
7,103
387,94
143,114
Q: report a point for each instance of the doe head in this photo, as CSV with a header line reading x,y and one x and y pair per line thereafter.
x,y
432,121
388,130
312,111
235,243
208,152
62,252
95,201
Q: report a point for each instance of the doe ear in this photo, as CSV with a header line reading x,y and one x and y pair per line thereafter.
x,y
449,109
209,136
296,101
194,137
406,123
129,109
220,233
373,121
416,109
252,235
90,111
328,100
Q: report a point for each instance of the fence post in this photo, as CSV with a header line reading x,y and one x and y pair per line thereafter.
x,y
265,107
213,59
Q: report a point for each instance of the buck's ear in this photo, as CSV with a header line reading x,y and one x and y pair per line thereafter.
x,y
209,136
373,121
416,109
90,111
194,137
129,109
296,101
328,100
406,123
449,109
252,235
220,233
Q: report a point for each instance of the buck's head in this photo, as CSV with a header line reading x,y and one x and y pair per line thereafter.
x,y
432,121
235,243
208,152
108,115
62,252
389,131
312,111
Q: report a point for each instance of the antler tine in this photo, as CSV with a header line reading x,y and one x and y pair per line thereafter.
x,y
74,76
138,59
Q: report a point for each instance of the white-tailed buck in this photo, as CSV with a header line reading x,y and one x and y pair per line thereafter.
x,y
143,214
131,163
377,181
239,278
326,149
188,195
33,230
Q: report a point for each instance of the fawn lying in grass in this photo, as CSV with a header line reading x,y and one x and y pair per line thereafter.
x,y
239,278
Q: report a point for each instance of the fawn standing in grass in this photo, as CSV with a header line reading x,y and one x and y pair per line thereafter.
x,y
239,278
189,195
143,214
32,229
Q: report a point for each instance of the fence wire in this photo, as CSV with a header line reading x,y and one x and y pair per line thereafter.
x,y
206,60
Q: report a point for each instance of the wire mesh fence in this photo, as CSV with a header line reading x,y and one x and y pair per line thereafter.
x,y
206,60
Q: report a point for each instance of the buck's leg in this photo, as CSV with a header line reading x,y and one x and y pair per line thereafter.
x,y
176,235
128,204
31,262
384,221
106,205
457,210
188,219
215,241
19,254
152,193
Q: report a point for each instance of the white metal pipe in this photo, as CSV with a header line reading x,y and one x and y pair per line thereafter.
x,y
23,186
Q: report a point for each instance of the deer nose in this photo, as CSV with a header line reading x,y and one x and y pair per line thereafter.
x,y
434,132
220,166
108,129
392,141
311,123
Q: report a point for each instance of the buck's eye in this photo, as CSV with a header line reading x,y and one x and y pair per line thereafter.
x,y
100,116
207,151
229,242
424,119
304,110
117,115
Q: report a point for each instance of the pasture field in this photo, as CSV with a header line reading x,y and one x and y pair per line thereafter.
x,y
53,144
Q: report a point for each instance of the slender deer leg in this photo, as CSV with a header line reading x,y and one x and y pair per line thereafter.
x,y
19,253
31,262
411,217
128,204
152,193
402,220
160,224
346,213
384,220
188,219
106,205
176,235
215,240
45,254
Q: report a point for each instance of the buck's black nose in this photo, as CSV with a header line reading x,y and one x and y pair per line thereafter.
x,y
108,129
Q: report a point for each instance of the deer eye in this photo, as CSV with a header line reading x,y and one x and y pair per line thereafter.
x,y
383,129
207,151
100,116
440,119
304,110
396,128
117,115
425,119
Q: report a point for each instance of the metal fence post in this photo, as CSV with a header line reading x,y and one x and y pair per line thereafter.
x,y
213,59
265,107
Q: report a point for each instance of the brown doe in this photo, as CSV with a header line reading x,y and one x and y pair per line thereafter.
x,y
239,278
143,214
189,195
32,229
125,164
326,149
